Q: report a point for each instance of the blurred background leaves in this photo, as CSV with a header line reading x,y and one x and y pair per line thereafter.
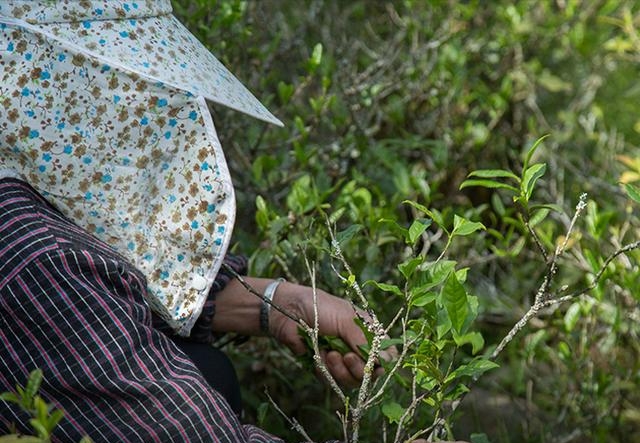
x,y
387,101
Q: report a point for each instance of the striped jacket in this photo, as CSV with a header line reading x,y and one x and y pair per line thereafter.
x,y
73,307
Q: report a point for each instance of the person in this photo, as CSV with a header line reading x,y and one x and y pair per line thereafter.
x,y
116,212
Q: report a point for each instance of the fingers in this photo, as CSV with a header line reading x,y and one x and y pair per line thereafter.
x,y
347,369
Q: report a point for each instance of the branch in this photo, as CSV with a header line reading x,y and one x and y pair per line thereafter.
x,y
295,425
299,321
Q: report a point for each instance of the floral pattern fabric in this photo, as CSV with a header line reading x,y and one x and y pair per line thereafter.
x,y
135,161
141,36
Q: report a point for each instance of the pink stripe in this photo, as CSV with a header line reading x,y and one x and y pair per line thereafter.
x,y
126,335
44,353
31,256
16,218
96,275
103,348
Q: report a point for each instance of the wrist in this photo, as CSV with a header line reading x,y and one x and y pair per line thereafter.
x,y
267,301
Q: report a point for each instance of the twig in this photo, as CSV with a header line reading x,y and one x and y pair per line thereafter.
x,y
295,425
250,288
377,330
543,298
313,335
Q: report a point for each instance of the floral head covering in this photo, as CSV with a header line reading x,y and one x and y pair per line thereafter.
x,y
102,110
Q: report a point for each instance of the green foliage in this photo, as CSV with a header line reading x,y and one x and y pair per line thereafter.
x,y
414,128
44,417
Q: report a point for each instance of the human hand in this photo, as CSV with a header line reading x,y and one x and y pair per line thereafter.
x,y
335,318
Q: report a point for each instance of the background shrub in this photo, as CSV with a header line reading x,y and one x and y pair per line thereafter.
x,y
391,101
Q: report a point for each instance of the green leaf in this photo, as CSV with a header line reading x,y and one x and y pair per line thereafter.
x,y
316,57
436,273
538,216
385,287
553,83
530,177
474,339
454,299
394,227
335,344
393,411
55,418
344,236
462,226
487,184
633,192
423,299
39,428
35,379
474,368
416,229
388,342
425,364
572,316
494,173
262,413
443,324
10,397
550,206
285,92
408,267
41,409
531,151
434,215
13,438
458,390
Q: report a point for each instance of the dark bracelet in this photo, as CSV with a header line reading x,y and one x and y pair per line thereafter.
x,y
265,309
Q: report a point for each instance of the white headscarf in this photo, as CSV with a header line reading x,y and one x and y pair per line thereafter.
x,y
103,111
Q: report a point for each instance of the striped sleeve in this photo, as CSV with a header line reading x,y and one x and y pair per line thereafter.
x,y
73,308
